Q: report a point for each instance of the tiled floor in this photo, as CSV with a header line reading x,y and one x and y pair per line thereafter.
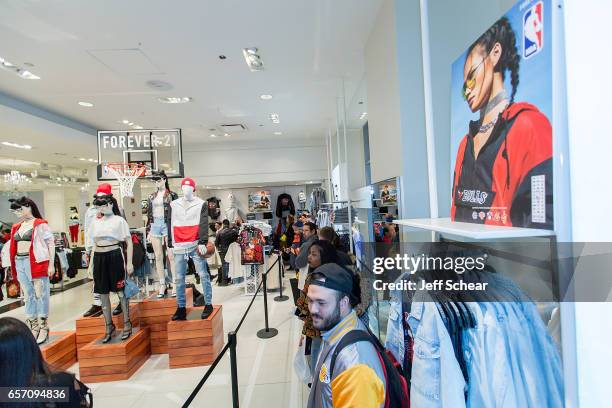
x,y
265,367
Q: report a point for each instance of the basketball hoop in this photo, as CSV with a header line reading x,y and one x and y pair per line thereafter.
x,y
126,174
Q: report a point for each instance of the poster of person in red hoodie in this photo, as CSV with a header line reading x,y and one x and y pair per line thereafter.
x,y
501,133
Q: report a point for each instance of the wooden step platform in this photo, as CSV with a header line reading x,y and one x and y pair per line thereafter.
x,y
59,351
116,360
195,342
90,328
155,314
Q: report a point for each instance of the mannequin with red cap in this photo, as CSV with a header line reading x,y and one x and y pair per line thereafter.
x,y
110,265
187,239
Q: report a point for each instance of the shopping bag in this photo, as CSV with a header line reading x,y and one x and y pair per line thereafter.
x,y
130,289
300,365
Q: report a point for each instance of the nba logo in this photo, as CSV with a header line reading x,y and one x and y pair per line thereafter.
x,y
533,30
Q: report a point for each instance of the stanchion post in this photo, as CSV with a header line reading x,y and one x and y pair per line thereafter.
x,y
280,297
233,340
266,332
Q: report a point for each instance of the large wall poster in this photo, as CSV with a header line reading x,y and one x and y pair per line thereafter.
x,y
259,201
501,114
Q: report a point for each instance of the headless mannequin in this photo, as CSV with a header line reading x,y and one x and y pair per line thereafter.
x,y
36,290
159,238
101,246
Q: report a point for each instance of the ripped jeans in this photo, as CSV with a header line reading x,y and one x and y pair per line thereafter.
x,y
36,292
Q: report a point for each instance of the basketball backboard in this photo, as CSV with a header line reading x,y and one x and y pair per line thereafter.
x,y
158,149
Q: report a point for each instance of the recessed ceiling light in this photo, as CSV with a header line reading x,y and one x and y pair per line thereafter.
x,y
278,133
125,121
213,135
227,135
130,124
86,104
82,159
175,99
137,127
25,74
17,145
274,118
92,160
266,97
363,115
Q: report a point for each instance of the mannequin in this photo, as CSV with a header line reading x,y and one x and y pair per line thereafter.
x,y
188,238
32,254
109,231
73,225
232,210
158,220
214,208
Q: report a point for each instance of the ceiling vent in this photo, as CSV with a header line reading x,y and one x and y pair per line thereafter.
x,y
233,128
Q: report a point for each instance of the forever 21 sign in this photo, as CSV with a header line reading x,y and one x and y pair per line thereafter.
x,y
137,140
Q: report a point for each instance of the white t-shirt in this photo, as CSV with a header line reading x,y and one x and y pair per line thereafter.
x,y
110,227
158,205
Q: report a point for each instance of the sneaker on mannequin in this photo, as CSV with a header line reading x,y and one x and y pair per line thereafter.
x,y
94,311
180,314
117,310
208,309
43,334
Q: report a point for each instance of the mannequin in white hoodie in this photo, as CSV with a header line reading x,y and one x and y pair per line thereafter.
x,y
232,210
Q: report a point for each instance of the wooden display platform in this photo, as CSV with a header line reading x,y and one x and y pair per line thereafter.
x,y
195,342
155,314
115,360
90,328
59,351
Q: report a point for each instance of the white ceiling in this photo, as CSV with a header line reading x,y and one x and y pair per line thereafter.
x,y
307,48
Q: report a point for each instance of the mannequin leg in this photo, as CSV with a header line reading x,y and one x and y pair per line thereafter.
x,y
127,324
158,250
42,293
179,286
202,270
171,275
24,276
108,317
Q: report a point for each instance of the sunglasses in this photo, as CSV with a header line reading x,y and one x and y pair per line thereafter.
x,y
102,201
470,80
156,178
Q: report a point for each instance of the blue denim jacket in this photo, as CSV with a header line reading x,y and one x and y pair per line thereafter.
x,y
395,340
526,369
437,380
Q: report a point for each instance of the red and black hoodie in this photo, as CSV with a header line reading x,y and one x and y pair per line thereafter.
x,y
496,187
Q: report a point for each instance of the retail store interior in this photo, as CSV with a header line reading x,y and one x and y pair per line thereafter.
x,y
366,117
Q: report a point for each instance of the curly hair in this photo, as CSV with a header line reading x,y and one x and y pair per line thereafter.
x,y
501,32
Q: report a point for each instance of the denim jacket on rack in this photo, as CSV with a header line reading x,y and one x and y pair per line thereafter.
x,y
437,380
395,330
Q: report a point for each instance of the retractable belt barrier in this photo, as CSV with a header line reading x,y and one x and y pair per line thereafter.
x,y
231,344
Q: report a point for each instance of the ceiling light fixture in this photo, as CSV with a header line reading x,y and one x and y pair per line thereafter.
x,y
22,73
86,104
265,97
227,135
278,133
253,59
82,159
175,99
125,121
137,127
131,124
363,115
92,160
17,145
213,135
274,118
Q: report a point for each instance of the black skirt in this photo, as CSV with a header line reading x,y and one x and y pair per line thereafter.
x,y
109,271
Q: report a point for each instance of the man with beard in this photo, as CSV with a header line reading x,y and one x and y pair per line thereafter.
x,y
356,378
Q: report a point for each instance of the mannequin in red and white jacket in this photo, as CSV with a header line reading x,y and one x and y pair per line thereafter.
x,y
187,238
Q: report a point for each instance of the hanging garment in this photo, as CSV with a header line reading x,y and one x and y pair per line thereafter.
x,y
214,207
251,242
234,258
284,203
232,210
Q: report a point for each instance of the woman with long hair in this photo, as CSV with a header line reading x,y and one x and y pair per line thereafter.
x,y
22,365
330,235
32,254
508,148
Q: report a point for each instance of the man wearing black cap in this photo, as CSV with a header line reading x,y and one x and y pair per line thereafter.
x,y
356,378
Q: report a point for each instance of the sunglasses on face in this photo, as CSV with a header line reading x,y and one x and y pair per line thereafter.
x,y
102,201
470,80
156,178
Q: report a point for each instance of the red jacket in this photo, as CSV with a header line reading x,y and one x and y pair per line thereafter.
x,y
497,188
38,269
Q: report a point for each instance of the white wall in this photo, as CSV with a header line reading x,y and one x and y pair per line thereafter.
x,y
383,96
256,163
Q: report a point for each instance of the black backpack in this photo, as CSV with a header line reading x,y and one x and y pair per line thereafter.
x,y
396,388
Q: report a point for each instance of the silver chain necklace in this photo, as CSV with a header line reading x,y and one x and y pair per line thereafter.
x,y
487,126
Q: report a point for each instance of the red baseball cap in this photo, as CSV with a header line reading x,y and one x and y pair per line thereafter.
x,y
188,182
104,189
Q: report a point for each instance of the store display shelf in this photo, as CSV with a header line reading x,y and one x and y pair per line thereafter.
x,y
473,231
